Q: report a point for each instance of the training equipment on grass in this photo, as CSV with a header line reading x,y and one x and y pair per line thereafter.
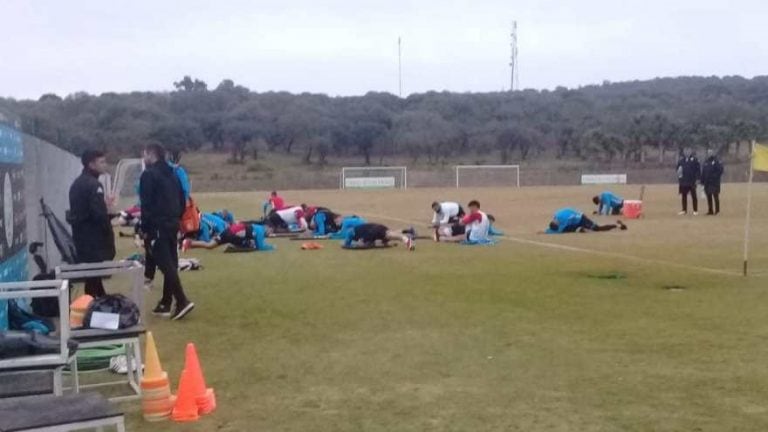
x,y
205,398
487,176
156,399
193,397
632,209
394,177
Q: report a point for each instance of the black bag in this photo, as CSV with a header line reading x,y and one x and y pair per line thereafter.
x,y
21,344
116,304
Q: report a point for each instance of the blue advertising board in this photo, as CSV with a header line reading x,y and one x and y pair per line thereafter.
x,y
13,232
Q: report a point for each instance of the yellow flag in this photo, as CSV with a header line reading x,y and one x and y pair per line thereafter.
x,y
760,158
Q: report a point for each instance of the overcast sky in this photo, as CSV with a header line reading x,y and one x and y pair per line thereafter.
x,y
350,47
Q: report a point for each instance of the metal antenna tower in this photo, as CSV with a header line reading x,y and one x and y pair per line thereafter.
x,y
399,66
514,79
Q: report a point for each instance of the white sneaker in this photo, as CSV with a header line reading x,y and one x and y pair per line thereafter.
x,y
695,213
119,365
682,213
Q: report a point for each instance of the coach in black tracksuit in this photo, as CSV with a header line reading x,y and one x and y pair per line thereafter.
x,y
90,219
711,173
162,205
688,173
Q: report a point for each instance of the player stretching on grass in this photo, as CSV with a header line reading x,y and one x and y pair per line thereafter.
x,y
568,220
241,235
366,235
608,203
473,228
291,219
446,213
212,227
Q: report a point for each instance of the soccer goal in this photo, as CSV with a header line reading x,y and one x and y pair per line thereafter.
x,y
126,181
374,177
487,175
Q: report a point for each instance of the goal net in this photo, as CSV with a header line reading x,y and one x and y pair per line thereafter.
x,y
126,181
374,177
487,176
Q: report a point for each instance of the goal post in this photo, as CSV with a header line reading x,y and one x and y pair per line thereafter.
x,y
389,177
487,175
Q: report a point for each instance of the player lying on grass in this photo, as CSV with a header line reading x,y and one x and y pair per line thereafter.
x,y
212,226
288,220
240,235
568,220
608,203
366,236
446,213
129,217
473,228
325,223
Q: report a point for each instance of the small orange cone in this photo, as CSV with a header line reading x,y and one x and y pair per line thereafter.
x,y
185,409
156,399
204,397
153,371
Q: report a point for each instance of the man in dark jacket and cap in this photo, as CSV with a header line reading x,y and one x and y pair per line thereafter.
x,y
162,205
90,219
688,173
711,173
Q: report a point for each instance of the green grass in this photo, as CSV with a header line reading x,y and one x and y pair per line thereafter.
x,y
517,336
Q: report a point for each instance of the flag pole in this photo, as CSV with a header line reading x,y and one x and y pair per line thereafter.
x,y
749,206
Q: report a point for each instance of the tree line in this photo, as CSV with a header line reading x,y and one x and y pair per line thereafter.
x,y
638,122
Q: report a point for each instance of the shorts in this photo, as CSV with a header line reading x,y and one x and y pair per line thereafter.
x,y
587,223
275,221
242,239
369,233
687,189
617,210
458,229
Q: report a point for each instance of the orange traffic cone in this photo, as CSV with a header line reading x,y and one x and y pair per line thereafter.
x,y
204,397
153,371
185,409
156,399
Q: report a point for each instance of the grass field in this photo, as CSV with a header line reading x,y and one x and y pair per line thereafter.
x,y
649,329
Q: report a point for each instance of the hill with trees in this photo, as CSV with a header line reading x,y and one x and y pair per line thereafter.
x,y
638,123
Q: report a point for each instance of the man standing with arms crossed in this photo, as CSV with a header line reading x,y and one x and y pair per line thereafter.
x,y
162,204
90,219
688,174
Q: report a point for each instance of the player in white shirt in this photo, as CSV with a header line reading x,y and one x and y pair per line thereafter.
x,y
473,228
446,213
290,219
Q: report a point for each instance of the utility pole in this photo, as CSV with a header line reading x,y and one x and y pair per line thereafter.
x,y
399,66
514,79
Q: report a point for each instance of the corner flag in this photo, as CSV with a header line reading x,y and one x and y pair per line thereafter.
x,y
760,158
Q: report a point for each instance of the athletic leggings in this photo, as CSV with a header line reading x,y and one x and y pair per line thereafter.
x,y
588,224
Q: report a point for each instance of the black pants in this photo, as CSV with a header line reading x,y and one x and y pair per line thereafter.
x,y
150,267
94,287
588,224
713,196
684,191
166,258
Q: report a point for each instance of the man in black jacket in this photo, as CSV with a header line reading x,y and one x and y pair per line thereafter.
x,y
162,205
688,173
711,173
90,219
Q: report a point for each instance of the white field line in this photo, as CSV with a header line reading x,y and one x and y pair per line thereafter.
x,y
584,250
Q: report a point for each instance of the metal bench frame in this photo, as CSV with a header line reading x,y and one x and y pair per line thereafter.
x,y
38,289
132,344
